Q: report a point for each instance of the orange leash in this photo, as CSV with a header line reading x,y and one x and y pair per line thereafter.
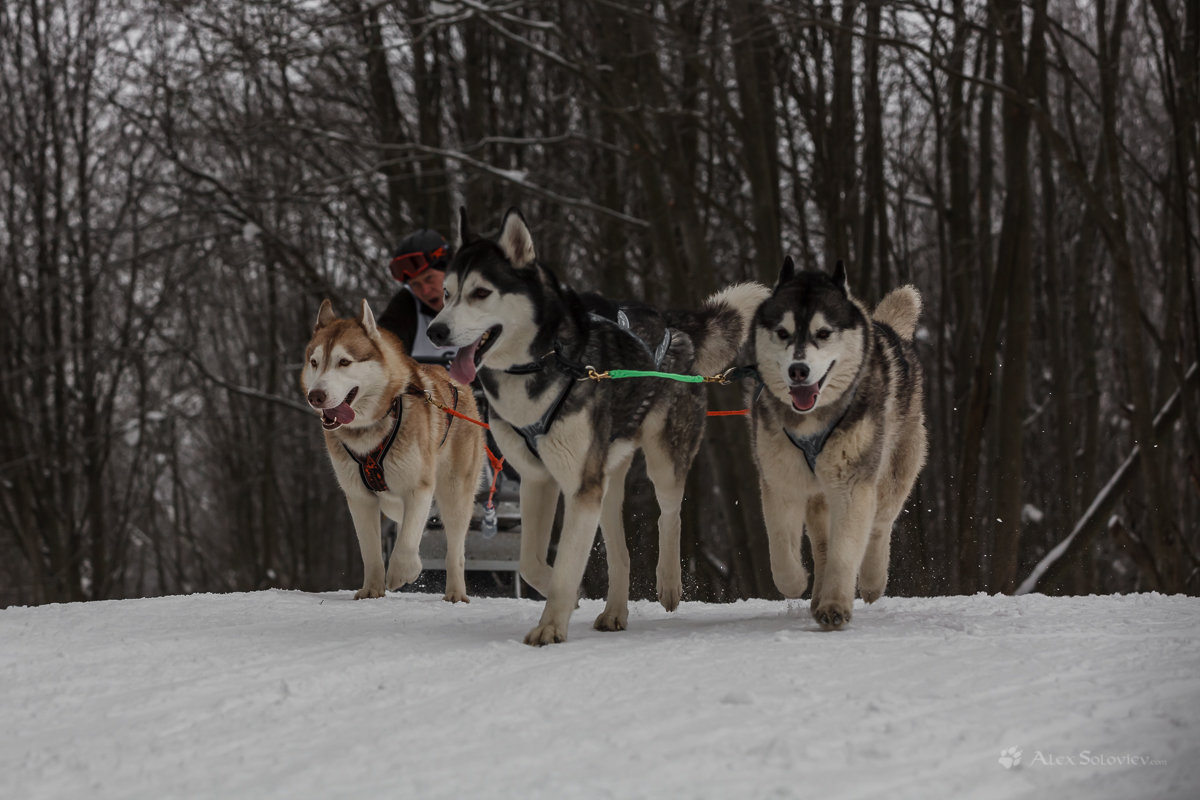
x,y
497,462
497,465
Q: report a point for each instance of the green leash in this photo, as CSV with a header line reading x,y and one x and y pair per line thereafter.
x,y
617,374
647,373
725,378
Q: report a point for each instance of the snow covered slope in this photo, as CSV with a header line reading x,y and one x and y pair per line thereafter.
x,y
293,695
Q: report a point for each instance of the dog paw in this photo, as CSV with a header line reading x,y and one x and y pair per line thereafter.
x,y
402,571
612,620
793,589
669,593
545,634
456,596
832,616
367,593
870,595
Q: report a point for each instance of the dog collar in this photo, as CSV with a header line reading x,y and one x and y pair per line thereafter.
x,y
566,366
811,446
370,466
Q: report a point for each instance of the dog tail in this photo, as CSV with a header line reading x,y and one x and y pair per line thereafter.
x,y
900,309
720,327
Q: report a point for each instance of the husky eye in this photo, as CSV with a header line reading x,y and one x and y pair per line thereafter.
x,y
824,333
313,363
345,362
782,333
480,293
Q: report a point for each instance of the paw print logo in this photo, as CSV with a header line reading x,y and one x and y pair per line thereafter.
x,y
1010,757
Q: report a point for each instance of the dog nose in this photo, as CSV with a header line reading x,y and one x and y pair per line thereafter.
x,y
798,371
438,333
316,398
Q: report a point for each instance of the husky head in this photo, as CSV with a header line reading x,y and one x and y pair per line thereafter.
x,y
810,337
492,311
345,376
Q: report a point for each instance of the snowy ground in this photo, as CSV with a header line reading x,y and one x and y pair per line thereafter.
x,y
293,695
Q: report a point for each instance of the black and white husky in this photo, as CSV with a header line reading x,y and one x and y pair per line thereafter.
x,y
532,340
839,433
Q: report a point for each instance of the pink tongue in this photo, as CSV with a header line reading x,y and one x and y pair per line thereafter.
x,y
462,368
805,397
343,414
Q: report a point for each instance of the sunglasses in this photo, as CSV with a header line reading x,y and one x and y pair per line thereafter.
x,y
407,266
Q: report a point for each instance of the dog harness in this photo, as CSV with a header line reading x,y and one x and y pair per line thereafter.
x,y
622,322
530,433
370,466
811,446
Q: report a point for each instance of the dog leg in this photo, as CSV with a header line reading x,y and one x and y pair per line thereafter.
x,y
872,578
365,514
668,489
906,463
539,499
405,563
816,522
851,515
581,517
456,510
616,611
779,513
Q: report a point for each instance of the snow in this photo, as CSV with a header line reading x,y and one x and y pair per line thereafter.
x,y
292,695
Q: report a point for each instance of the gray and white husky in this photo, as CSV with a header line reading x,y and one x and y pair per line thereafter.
x,y
839,433
531,340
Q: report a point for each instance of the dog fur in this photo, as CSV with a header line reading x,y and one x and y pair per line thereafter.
x,y
432,456
829,367
528,336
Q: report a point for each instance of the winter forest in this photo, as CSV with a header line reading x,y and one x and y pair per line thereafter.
x,y
182,183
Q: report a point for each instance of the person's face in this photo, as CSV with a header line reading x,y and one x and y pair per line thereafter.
x,y
428,287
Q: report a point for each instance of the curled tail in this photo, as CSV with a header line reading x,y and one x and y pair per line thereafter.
x,y
900,309
720,327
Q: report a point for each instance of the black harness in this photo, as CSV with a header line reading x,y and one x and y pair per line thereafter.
x,y
811,446
576,372
370,466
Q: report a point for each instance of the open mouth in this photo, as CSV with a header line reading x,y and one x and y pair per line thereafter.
x,y
466,363
804,396
339,415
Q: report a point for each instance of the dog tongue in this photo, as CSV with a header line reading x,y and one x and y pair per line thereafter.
x,y
342,414
462,368
805,397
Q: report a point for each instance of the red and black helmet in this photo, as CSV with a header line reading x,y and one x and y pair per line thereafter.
x,y
417,252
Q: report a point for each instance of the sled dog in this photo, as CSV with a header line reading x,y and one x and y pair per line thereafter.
x,y
392,450
531,341
839,433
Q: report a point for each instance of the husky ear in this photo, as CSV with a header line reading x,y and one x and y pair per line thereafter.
x,y
515,239
368,320
839,277
465,234
547,277
786,272
325,315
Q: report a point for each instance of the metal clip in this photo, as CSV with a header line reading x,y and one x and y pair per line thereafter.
x,y
592,374
430,399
